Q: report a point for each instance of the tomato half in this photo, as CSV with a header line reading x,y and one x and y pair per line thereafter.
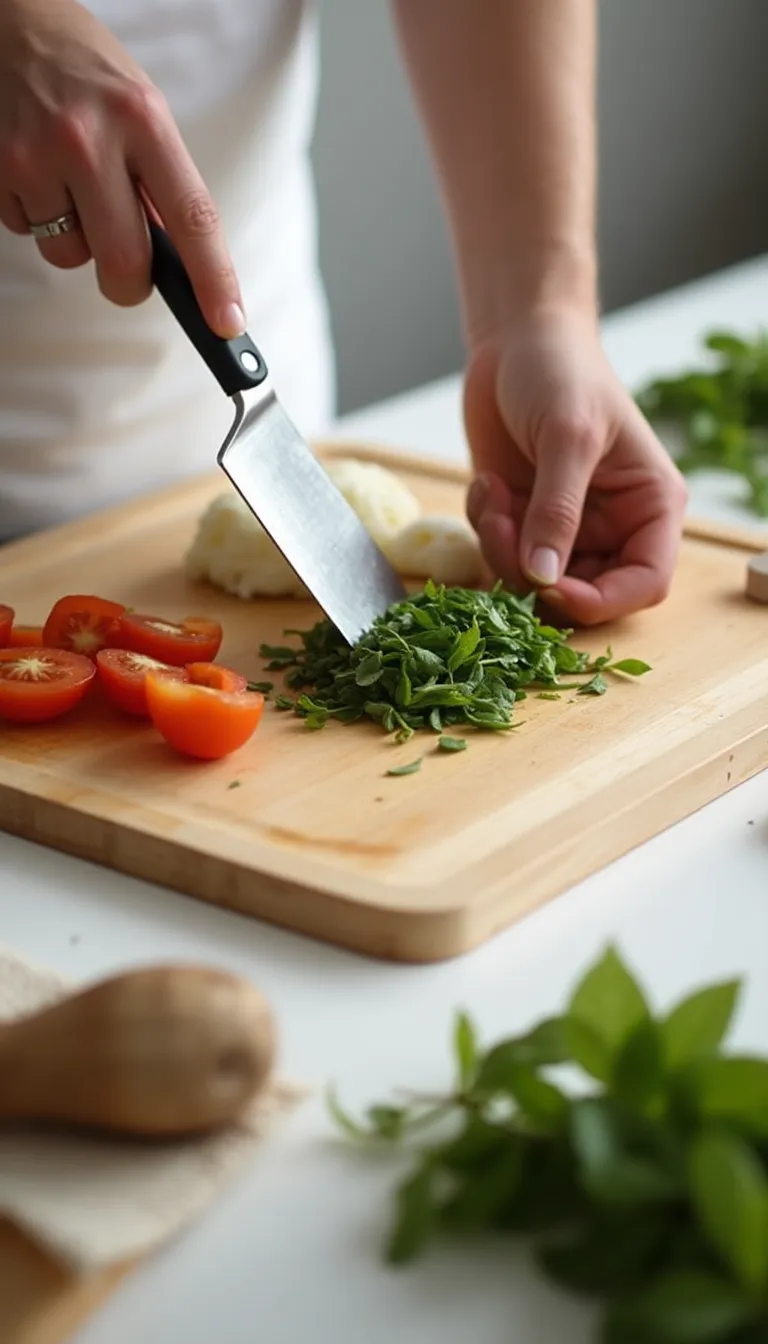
x,y
39,684
25,637
176,642
82,624
123,675
7,615
208,716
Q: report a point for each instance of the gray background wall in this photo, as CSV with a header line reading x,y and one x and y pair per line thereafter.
x,y
683,107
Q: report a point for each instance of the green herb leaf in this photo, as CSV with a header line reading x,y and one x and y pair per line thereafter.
x,y
730,1193
410,769
638,1070
588,1049
609,1001
697,1025
441,658
344,1121
465,1050
480,1198
732,1090
632,667
416,1217
262,687
596,686
682,1308
235,784
615,1171
388,1122
370,669
452,744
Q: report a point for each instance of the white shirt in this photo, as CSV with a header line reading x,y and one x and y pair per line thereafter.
x,y
97,402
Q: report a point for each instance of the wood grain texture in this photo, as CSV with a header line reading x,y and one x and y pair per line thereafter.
x,y
317,838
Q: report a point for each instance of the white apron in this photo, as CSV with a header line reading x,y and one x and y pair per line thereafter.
x,y
99,403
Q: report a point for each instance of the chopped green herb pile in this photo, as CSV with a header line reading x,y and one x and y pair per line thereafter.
x,y
721,408
647,1191
444,656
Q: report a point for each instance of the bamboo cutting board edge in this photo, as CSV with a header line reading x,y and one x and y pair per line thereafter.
x,y
41,1302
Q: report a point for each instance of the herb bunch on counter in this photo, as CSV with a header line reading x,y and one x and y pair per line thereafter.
x,y
648,1190
441,658
721,410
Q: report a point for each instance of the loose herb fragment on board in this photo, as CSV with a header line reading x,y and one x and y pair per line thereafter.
x,y
410,769
442,657
720,409
646,1190
452,744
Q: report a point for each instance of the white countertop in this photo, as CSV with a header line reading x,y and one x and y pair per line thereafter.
x,y
292,1252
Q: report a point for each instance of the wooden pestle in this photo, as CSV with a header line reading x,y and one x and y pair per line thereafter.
x,y
159,1052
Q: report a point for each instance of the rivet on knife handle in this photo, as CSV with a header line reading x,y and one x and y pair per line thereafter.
x,y
237,365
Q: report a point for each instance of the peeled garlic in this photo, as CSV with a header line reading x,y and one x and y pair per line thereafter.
x,y
439,547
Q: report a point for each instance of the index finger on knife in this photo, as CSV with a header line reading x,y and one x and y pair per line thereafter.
x,y
186,209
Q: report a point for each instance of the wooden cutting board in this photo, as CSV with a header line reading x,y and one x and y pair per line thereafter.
x,y
316,837
41,1302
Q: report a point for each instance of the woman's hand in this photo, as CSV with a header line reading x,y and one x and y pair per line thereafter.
x,y
82,128
573,493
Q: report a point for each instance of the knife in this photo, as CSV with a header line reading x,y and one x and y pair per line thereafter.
x,y
276,473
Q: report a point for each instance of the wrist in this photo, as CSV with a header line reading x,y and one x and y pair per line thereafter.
x,y
519,288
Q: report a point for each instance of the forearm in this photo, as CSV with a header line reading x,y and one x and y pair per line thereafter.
x,y
506,89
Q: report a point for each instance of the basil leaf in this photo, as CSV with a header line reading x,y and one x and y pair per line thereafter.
x,y
730,1193
682,1308
607,1256
732,1090
615,1171
485,1192
410,769
596,686
697,1025
632,667
638,1072
416,1216
609,1001
452,744
369,670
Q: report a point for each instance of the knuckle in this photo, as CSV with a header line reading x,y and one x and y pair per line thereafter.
x,y
17,157
140,102
577,432
559,513
75,134
199,216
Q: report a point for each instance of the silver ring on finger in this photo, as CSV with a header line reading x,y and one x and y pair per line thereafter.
x,y
53,228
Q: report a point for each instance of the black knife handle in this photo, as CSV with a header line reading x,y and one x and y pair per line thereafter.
x,y
237,365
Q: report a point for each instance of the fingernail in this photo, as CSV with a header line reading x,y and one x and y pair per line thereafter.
x,y
478,493
232,321
544,565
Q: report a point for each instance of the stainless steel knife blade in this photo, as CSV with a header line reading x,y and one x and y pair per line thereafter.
x,y
309,520
275,471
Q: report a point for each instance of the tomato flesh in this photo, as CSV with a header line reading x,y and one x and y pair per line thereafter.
x,y
123,675
82,624
209,715
177,643
39,684
7,615
25,637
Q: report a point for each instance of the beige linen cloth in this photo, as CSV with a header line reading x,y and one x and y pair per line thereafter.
x,y
93,1202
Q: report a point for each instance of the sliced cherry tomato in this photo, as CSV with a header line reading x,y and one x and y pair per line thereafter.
x,y
176,642
25,637
38,684
207,716
82,624
7,615
123,675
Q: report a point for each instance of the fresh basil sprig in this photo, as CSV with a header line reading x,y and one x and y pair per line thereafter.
x,y
720,407
647,1189
443,657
